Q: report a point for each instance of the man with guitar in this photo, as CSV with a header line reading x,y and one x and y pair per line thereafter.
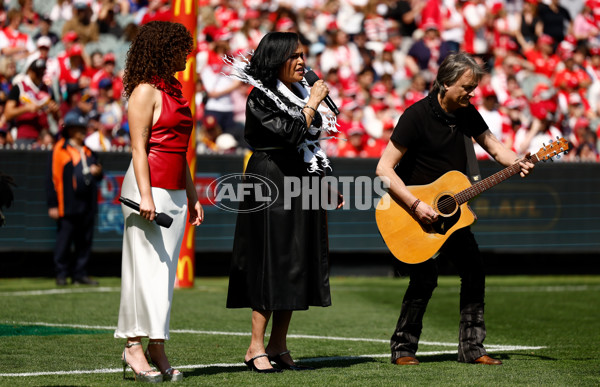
x,y
428,142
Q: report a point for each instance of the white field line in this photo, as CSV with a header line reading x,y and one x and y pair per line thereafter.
x,y
490,289
101,289
294,336
491,347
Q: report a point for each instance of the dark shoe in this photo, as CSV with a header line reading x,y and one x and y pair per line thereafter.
x,y
85,281
61,281
485,359
252,366
407,360
285,366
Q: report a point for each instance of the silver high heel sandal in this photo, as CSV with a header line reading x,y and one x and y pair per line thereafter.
x,y
142,376
170,374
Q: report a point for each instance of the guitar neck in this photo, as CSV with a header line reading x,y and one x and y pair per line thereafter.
x,y
487,183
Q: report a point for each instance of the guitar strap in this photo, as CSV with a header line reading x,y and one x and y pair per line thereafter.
x,y
472,165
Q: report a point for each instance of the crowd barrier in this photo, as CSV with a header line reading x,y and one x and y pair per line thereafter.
x,y
555,210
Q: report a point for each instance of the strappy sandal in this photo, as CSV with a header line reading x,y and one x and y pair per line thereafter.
x,y
168,375
142,376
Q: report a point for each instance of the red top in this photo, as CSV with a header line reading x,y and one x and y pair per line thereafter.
x,y
169,139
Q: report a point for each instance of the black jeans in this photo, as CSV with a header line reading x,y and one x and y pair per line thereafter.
x,y
461,248
77,230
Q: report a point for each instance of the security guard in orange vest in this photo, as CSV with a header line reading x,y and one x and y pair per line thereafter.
x,y
72,198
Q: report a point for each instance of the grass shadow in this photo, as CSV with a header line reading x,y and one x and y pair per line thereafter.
x,y
500,356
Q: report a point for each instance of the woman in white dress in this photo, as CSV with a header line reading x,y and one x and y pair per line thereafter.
x,y
159,179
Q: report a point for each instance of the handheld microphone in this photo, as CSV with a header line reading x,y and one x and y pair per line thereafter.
x,y
311,78
161,219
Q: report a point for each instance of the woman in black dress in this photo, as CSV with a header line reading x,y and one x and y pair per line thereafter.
x,y
280,253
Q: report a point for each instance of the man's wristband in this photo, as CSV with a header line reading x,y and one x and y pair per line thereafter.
x,y
414,206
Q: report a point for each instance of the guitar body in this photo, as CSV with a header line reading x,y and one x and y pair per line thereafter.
x,y
413,242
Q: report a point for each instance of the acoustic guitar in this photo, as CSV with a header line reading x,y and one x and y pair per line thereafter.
x,y
411,241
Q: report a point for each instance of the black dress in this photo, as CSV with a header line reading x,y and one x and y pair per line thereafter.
x,y
280,256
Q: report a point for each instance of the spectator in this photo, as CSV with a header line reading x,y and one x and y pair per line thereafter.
x,y
416,91
82,23
208,132
13,43
326,18
8,69
44,30
72,188
44,44
492,117
359,144
593,68
585,26
542,55
406,13
542,130
29,103
307,24
249,35
351,15
31,19
476,28
108,71
341,54
530,27
101,137
427,53
157,10
513,119
556,20
62,11
107,22
452,24
74,69
219,87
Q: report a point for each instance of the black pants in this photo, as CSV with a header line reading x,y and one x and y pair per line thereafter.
x,y
76,230
461,248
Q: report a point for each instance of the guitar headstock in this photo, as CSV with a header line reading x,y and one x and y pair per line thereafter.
x,y
555,148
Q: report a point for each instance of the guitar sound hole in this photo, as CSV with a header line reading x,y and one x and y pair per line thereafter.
x,y
446,205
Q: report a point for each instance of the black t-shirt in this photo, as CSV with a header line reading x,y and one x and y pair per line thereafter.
x,y
396,12
555,23
434,140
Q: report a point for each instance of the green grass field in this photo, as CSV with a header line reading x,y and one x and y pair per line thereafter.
x,y
546,330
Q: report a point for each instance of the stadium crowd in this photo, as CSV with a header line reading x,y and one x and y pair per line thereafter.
x,y
377,57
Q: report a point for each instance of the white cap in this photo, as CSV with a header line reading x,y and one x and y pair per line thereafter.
x,y
44,41
226,141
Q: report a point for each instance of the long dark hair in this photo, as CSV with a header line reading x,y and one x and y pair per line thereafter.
x,y
272,52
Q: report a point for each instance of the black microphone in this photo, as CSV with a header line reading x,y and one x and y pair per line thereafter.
x,y
311,78
161,219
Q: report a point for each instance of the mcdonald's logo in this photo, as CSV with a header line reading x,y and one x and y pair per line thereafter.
x,y
188,7
190,237
184,263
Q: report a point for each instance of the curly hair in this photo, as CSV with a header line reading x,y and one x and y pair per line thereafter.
x,y
154,52
272,52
